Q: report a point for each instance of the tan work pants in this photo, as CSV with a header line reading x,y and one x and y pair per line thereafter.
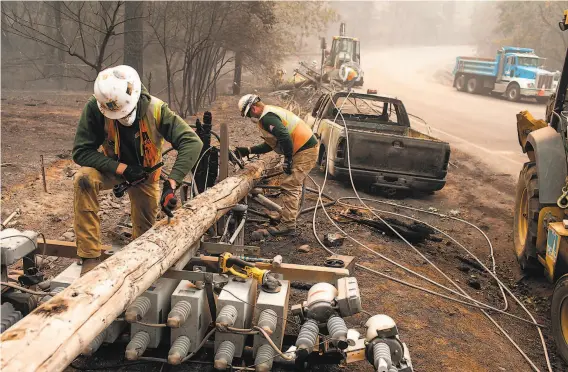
x,y
302,164
88,182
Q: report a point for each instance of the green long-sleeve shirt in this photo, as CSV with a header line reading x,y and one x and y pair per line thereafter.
x,y
90,136
272,124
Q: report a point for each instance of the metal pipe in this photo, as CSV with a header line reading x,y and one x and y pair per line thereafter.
x,y
8,219
238,229
267,203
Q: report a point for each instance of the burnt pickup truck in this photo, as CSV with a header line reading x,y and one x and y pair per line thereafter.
x,y
384,150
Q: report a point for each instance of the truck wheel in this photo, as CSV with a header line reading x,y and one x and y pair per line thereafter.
x,y
460,83
559,316
525,220
323,162
472,85
513,92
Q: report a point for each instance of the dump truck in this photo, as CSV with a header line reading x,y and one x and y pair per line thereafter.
x,y
384,151
540,223
514,72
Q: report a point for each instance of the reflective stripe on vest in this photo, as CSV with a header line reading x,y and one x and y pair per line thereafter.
x,y
151,140
298,129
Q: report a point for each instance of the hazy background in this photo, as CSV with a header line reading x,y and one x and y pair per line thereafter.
x,y
62,45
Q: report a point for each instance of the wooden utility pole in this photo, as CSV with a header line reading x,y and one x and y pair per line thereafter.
x,y
50,337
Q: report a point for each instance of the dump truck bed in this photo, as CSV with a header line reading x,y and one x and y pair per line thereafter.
x,y
476,66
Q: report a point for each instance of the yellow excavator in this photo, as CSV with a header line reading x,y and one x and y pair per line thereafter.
x,y
345,50
540,231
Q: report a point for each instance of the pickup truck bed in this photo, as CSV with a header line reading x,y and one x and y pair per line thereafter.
x,y
410,160
383,150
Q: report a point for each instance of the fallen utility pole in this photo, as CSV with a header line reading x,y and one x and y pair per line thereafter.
x,y
51,336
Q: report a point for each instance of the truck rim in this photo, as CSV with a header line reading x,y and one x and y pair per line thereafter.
x,y
564,319
460,83
522,221
512,93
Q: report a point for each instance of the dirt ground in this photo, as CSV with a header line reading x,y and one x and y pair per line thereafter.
x,y
441,335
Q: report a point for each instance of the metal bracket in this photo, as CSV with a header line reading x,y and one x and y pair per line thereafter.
x,y
240,250
292,272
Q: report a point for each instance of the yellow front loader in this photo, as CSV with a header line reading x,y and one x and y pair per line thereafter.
x,y
540,231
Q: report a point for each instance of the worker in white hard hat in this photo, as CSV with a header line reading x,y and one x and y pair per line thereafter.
x,y
349,74
288,135
130,125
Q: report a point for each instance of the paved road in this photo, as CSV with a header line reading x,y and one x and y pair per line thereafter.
x,y
484,126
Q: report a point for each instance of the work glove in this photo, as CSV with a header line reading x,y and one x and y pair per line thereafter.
x,y
243,151
198,126
134,173
168,202
287,166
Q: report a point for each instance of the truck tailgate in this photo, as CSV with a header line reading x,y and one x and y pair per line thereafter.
x,y
412,154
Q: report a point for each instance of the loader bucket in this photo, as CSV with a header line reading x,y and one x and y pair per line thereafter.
x,y
526,123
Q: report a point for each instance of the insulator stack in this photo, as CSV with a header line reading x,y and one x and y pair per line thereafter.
x,y
382,357
137,345
9,316
179,350
136,311
227,315
268,320
179,314
307,338
338,332
264,358
224,355
95,344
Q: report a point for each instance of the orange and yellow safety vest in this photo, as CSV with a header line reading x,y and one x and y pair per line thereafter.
x,y
298,129
151,139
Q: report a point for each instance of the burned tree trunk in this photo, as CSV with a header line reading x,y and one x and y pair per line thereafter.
x,y
134,36
238,72
60,53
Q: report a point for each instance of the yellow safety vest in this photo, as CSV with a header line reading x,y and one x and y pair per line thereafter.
x,y
151,139
298,129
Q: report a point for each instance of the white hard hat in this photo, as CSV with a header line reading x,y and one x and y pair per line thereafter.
x,y
117,90
246,102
